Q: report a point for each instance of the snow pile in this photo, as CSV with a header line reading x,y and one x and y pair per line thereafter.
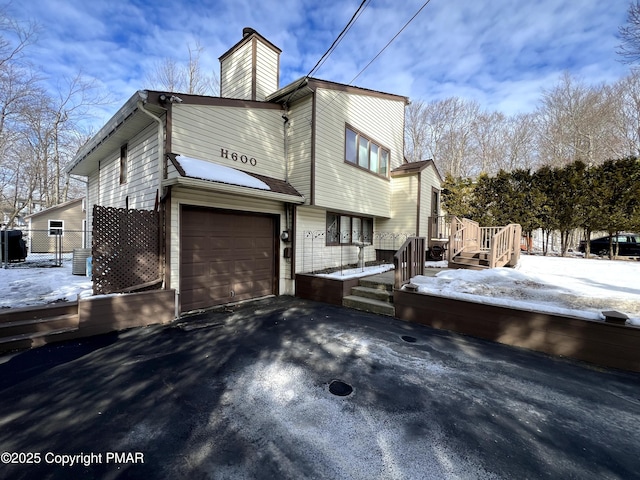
x,y
565,286
27,286
357,272
214,172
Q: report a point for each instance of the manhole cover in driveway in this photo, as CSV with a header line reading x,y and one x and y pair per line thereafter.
x,y
409,338
340,388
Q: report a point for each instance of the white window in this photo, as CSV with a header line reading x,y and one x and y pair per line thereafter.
x,y
56,227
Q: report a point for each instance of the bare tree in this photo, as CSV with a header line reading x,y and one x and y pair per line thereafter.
x,y
170,75
416,131
489,136
520,143
629,49
574,123
626,95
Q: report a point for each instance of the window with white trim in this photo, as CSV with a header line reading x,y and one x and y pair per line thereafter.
x,y
56,228
365,153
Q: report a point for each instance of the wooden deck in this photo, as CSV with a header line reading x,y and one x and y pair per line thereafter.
x,y
607,344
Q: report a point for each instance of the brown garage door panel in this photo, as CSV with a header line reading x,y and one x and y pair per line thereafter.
x,y
225,256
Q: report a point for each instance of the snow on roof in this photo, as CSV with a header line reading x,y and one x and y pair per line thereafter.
x,y
215,172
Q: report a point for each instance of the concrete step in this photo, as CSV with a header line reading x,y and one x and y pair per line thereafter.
x,y
369,305
375,293
376,284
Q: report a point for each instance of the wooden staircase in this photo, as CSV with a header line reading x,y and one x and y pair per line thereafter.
x,y
475,247
477,260
22,328
373,294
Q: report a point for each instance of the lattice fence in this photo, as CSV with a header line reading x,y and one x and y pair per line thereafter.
x,y
125,249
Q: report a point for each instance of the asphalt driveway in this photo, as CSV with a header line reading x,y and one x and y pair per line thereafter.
x,y
245,393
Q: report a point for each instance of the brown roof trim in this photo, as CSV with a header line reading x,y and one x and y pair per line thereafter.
x,y
411,168
275,185
189,99
248,34
318,83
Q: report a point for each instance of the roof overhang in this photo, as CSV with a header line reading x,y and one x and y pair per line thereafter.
x,y
127,122
196,183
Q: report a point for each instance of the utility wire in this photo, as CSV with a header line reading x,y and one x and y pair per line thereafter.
x,y
390,41
335,43
380,52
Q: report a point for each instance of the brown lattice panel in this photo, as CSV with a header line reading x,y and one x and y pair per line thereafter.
x,y
125,249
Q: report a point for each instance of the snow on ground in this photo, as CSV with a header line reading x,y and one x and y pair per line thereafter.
x,y
566,286
357,272
24,286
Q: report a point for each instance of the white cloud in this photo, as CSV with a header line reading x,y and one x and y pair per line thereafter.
x,y
498,52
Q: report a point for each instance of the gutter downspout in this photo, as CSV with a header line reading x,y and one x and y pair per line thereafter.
x,y
160,178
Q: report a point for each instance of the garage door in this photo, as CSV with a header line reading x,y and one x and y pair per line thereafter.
x,y
225,257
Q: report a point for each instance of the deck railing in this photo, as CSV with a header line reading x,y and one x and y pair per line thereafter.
x,y
409,260
465,235
504,246
501,244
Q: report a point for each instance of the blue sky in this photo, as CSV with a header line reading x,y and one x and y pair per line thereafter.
x,y
501,53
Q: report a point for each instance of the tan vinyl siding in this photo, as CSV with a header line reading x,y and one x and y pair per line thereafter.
x,y
72,229
142,181
93,192
342,186
404,207
206,198
204,132
235,74
266,71
300,118
312,253
429,181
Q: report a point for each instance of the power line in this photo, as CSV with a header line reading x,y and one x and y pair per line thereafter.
x,y
335,43
390,41
381,51
340,37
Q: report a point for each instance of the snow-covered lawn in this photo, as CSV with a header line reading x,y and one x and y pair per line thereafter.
x,y
571,286
23,286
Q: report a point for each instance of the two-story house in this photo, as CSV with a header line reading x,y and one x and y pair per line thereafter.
x,y
240,178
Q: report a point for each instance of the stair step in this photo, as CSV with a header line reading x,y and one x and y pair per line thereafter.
x,y
469,265
369,305
38,325
376,284
481,255
36,338
375,293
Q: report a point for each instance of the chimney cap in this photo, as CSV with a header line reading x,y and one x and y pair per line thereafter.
x,y
246,31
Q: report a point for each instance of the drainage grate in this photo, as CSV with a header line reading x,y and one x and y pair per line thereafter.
x,y
409,338
338,387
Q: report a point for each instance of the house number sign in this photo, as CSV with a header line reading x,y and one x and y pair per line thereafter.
x,y
224,153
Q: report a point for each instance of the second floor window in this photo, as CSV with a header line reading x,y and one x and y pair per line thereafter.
x,y
124,163
366,153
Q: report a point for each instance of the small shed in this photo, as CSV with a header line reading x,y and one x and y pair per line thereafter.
x,y
63,224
